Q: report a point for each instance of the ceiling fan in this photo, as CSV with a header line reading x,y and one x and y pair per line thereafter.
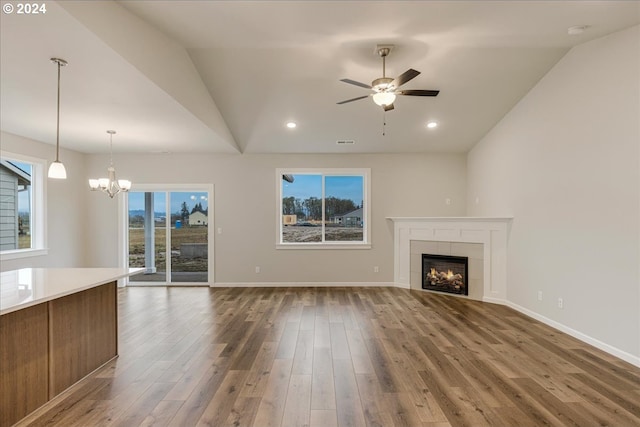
x,y
385,88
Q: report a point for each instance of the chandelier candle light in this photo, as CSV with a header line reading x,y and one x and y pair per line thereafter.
x,y
110,185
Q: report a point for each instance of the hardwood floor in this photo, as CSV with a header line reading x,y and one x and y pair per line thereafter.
x,y
342,357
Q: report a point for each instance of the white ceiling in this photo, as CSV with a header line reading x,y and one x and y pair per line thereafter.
x,y
225,76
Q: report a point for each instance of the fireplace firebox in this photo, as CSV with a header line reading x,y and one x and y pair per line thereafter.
x,y
445,273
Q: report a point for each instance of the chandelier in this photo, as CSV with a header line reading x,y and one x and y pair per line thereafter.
x,y
110,185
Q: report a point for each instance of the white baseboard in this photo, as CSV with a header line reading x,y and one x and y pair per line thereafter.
x,y
170,285
627,357
495,301
302,284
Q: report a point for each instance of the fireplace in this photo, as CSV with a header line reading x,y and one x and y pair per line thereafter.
x,y
445,273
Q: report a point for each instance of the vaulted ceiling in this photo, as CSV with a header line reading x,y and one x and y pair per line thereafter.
x,y
226,76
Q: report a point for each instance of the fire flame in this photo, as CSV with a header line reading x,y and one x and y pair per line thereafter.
x,y
449,276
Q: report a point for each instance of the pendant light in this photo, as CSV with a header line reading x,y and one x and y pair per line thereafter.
x,y
110,185
56,169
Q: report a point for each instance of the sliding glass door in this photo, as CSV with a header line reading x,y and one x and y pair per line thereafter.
x,y
168,235
147,235
189,237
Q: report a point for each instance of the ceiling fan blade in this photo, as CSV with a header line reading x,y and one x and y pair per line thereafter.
x,y
404,77
388,107
418,92
353,82
353,99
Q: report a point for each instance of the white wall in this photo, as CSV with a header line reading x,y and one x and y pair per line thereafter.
x,y
66,209
245,208
565,163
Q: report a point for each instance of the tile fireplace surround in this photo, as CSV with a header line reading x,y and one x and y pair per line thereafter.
x,y
492,233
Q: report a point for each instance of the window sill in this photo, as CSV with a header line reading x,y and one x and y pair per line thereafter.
x,y
323,246
22,253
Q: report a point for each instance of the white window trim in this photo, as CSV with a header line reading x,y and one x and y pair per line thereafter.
x,y
364,172
38,208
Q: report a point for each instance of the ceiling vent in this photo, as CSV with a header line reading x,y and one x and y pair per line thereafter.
x,y
345,142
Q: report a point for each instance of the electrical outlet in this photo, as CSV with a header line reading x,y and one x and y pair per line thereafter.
x,y
447,201
560,303
376,269
257,269
539,295
219,230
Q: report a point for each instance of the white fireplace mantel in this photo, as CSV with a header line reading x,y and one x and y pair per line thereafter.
x,y
492,232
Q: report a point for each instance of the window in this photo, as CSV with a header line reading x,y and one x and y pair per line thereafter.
x,y
326,208
21,206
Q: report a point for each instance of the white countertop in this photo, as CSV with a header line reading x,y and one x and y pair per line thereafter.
x,y
30,286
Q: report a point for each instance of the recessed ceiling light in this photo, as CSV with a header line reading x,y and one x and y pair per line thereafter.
x,y
291,125
577,29
432,124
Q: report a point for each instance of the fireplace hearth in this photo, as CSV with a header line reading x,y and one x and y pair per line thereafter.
x,y
445,273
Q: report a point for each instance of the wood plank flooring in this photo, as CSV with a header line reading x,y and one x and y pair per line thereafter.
x,y
324,357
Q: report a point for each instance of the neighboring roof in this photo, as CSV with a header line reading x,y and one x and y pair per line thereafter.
x,y
24,178
357,212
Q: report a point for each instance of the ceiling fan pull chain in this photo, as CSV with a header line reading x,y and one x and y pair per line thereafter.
x,y
384,122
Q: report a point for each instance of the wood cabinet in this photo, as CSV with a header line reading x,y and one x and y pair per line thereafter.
x,y
24,362
46,348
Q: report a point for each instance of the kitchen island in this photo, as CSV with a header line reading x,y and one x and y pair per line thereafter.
x,y
57,325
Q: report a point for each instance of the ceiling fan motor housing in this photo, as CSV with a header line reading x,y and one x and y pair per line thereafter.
x,y
382,84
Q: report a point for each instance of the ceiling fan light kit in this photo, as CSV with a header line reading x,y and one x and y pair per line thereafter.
x,y
384,98
385,89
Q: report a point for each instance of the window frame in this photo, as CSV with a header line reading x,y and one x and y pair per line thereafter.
x,y
123,229
365,173
38,221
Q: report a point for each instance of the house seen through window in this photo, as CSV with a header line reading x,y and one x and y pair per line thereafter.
x,y
17,225
323,207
